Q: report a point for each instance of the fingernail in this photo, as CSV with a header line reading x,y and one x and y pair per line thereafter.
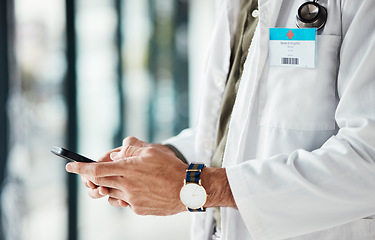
x,y
103,193
68,168
115,156
123,204
100,192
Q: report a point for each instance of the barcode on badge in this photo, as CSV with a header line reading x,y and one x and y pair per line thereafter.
x,y
290,61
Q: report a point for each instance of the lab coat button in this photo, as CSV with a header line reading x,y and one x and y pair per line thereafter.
x,y
255,13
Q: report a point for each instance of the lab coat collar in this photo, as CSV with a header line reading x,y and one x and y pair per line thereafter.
x,y
269,13
270,10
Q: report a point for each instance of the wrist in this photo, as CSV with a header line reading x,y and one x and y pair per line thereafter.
x,y
192,194
219,194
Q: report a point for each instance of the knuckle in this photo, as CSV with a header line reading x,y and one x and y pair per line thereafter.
x,y
131,199
98,181
139,210
128,151
152,151
130,188
129,141
85,181
96,170
149,151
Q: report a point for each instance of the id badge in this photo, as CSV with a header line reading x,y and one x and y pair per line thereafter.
x,y
293,47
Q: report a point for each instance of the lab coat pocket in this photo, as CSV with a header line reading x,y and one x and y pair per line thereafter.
x,y
302,98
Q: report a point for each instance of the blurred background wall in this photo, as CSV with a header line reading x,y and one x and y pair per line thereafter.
x,y
84,74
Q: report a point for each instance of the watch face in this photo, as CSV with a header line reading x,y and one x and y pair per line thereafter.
x,y
193,195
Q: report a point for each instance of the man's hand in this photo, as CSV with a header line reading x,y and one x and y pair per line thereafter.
x,y
95,191
146,177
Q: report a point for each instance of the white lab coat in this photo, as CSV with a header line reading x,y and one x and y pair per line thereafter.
x,y
300,155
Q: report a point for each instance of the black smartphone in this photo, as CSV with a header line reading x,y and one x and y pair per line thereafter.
x,y
69,155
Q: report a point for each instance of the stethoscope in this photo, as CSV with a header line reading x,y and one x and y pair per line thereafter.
x,y
311,15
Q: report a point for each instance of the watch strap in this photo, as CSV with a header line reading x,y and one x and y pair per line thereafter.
x,y
202,209
193,173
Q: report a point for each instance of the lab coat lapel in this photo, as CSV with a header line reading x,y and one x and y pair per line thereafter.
x,y
269,13
233,8
243,110
246,101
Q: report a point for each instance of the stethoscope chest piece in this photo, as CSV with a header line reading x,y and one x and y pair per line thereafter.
x,y
311,15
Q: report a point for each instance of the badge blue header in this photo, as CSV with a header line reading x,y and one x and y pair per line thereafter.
x,y
293,34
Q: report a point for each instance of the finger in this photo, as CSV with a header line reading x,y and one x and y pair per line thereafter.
x,y
91,185
104,191
96,193
84,181
109,182
106,157
123,203
117,203
129,141
132,141
115,156
87,183
99,169
116,193
128,151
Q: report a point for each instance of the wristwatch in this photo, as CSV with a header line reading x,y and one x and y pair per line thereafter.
x,y
192,194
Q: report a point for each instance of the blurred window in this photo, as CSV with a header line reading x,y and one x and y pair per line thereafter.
x,y
139,65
